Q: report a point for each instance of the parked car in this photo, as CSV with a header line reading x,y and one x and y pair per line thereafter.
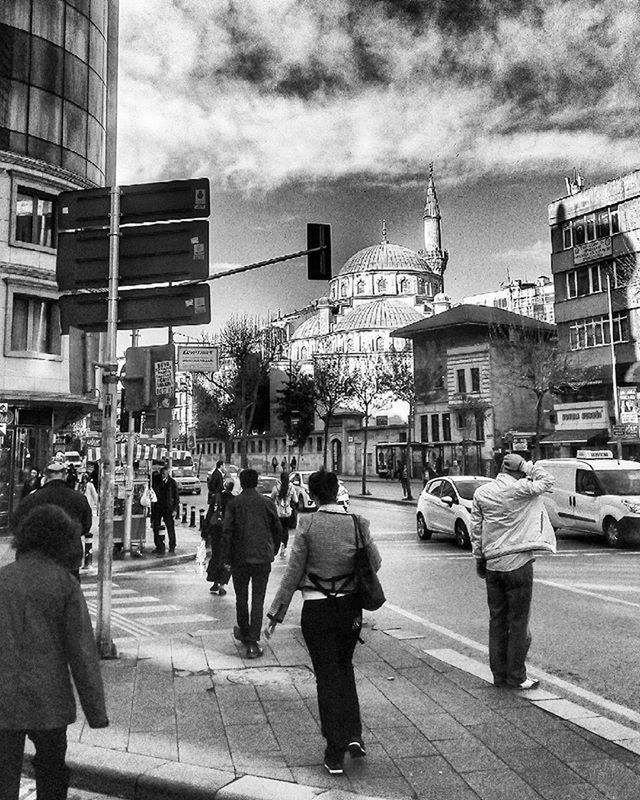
x,y
305,502
266,484
444,506
73,457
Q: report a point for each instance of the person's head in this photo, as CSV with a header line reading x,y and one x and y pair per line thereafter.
x,y
33,474
229,484
248,479
55,471
164,472
284,483
219,464
84,478
46,529
323,487
513,464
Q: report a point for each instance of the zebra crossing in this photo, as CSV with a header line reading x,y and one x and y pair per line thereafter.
x,y
139,615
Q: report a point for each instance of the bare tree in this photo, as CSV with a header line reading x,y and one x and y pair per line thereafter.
x,y
332,388
399,381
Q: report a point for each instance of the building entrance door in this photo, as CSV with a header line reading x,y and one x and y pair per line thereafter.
x,y
336,456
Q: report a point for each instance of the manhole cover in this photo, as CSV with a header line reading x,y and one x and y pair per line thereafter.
x,y
262,676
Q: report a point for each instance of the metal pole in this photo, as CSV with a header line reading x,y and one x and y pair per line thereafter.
x,y
106,647
614,379
128,484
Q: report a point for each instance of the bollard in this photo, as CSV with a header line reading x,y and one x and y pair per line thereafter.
x,y
184,514
192,521
201,518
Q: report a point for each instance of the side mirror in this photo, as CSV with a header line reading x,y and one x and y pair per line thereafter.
x,y
449,501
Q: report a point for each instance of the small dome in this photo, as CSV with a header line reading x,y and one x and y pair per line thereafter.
x,y
309,328
385,256
383,313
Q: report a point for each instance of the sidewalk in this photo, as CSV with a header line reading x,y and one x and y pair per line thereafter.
x,y
191,718
380,489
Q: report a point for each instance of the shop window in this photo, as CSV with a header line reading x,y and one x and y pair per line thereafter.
x,y
35,325
35,217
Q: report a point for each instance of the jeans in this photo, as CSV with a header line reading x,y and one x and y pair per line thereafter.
x,y
509,599
331,629
52,774
258,574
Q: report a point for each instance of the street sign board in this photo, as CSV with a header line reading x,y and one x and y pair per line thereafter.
x,y
143,202
197,358
138,308
162,253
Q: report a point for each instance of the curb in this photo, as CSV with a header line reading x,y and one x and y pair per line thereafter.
x,y
137,777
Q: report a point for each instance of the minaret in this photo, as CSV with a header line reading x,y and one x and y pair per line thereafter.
x,y
431,217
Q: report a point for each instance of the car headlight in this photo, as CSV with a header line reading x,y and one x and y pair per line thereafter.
x,y
634,508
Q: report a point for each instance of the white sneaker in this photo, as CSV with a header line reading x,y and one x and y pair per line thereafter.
x,y
528,683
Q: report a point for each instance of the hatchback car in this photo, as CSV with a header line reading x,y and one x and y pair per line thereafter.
x,y
300,479
444,506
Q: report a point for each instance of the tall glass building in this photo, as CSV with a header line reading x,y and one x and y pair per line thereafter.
x,y
57,59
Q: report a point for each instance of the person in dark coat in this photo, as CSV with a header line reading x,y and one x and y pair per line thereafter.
x,y
250,539
72,476
33,482
218,573
57,492
215,484
46,639
163,510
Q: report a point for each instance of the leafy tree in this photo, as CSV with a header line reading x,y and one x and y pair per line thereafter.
x,y
295,406
399,381
332,387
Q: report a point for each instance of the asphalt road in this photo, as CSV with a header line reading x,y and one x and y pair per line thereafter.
x,y
585,621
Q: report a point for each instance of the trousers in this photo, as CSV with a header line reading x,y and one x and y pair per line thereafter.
x,y
163,515
52,774
509,598
250,624
331,629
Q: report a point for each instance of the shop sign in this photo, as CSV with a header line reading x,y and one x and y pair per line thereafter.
x,y
197,359
520,444
6,416
592,251
628,405
582,415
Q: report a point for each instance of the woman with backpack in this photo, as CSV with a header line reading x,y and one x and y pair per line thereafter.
x,y
285,496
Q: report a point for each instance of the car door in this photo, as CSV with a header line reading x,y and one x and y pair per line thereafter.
x,y
585,501
431,498
448,507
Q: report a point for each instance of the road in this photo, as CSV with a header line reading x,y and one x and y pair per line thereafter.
x,y
585,621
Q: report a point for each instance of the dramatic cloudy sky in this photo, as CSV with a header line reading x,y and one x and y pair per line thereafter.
x,y
331,110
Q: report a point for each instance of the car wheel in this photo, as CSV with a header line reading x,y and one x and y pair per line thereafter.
x,y
462,534
421,527
613,533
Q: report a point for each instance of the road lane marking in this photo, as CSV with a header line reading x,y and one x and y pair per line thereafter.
x,y
139,599
147,609
607,587
596,699
597,595
130,626
181,619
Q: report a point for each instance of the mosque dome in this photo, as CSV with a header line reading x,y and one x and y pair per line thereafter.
x,y
385,256
384,313
309,329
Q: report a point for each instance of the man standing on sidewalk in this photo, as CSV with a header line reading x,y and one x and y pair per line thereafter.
x,y
509,524
167,505
250,539
215,484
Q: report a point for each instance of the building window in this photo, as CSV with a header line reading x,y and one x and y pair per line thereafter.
x,y
260,445
403,285
461,381
594,331
435,428
424,427
343,290
613,220
567,239
480,428
461,422
35,325
446,427
360,287
318,444
382,286
591,279
379,344
35,217
475,379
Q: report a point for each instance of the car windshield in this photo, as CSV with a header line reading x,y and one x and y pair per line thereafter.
x,y
266,484
619,481
466,488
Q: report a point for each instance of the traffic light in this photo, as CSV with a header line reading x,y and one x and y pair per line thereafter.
x,y
319,262
123,417
149,380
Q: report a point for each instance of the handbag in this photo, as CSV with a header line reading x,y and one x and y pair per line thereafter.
x,y
368,586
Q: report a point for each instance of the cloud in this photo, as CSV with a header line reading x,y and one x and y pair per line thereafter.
x,y
260,93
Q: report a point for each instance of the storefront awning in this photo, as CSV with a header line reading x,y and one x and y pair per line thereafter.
x,y
576,436
142,452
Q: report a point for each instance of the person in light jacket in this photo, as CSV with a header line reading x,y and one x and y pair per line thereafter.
x,y
509,526
321,565
45,639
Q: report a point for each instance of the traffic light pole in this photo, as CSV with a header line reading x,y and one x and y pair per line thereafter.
x,y
106,647
129,476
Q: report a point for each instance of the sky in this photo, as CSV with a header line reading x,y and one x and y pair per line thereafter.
x,y
331,111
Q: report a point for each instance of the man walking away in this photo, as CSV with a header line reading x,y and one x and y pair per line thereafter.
x,y
167,505
251,536
509,525
56,491
215,484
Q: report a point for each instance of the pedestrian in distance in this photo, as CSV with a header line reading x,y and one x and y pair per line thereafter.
x,y
56,491
293,463
321,564
45,640
509,527
283,465
167,506
218,572
33,482
274,465
285,497
404,479
215,484
250,539
72,476
86,487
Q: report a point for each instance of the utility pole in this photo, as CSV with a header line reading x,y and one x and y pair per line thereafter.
x,y
128,484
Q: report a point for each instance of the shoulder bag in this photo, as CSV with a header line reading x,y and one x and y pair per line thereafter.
x,y
368,586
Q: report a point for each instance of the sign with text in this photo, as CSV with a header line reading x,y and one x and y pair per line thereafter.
x,y
628,405
590,415
592,251
197,358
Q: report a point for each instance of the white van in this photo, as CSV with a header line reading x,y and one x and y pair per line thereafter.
x,y
183,471
594,493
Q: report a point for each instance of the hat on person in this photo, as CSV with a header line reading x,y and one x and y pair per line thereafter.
x,y
512,462
56,466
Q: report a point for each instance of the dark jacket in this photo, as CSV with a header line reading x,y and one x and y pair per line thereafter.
x,y
167,494
45,631
251,530
215,485
58,493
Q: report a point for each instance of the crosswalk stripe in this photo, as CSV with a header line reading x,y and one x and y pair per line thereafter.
x,y
180,619
147,609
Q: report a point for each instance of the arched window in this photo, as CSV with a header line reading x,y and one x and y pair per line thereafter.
x,y
421,286
349,344
333,291
403,285
360,287
379,344
303,353
382,286
343,289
